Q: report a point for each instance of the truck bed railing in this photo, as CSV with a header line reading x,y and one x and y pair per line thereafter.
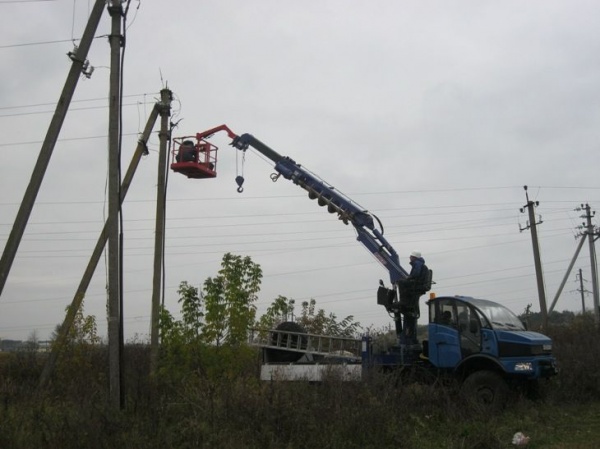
x,y
324,345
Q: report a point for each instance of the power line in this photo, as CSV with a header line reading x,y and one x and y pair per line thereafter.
x,y
28,44
68,139
248,198
33,43
25,1
74,101
71,109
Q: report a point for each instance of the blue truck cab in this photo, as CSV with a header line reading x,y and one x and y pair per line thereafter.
x,y
467,334
480,343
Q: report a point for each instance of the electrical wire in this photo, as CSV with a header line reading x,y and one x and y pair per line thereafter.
x,y
20,114
73,25
35,105
121,226
164,222
68,139
25,1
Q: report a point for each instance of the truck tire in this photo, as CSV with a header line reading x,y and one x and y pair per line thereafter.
x,y
281,355
486,390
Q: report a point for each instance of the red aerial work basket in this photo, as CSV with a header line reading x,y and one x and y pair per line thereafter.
x,y
194,157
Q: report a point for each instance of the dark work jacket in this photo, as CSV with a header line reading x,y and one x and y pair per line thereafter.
x,y
413,284
416,272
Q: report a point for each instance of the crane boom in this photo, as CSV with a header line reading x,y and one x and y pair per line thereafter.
x,y
347,210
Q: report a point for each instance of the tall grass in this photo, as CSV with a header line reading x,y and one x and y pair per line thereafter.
x,y
217,401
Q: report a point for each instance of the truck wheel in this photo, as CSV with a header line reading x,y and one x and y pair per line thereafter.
x,y
485,390
281,355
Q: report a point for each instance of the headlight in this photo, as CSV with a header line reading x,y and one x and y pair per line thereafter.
x,y
547,347
524,366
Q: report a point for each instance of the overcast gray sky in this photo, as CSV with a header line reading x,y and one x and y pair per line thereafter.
x,y
431,114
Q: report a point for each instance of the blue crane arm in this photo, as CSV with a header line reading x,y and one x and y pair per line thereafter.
x,y
336,202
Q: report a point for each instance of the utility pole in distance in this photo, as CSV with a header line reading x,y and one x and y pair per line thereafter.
x,y
582,290
531,224
591,233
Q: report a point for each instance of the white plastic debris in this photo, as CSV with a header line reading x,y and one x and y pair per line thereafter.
x,y
519,439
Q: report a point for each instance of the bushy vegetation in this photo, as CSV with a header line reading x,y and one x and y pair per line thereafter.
x,y
206,392
213,398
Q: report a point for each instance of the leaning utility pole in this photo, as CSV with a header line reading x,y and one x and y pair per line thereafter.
x,y
591,232
79,66
159,228
531,224
61,339
568,273
115,316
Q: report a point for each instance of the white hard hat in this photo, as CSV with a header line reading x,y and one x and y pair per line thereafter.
x,y
415,254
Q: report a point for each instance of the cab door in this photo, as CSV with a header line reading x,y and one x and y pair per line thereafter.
x,y
469,329
444,343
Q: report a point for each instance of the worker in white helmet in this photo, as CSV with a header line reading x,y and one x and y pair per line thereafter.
x,y
411,288
416,262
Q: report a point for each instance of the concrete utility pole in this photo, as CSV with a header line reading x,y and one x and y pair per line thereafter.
x,y
79,66
568,273
582,290
115,317
61,339
531,224
591,233
159,235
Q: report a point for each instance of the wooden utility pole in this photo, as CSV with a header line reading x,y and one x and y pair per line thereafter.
x,y
61,339
582,291
115,10
159,228
531,224
591,233
78,66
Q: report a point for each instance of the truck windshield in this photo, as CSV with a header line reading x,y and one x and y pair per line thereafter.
x,y
499,316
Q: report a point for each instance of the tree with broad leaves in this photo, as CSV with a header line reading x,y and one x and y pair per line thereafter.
x,y
229,300
317,321
280,310
83,330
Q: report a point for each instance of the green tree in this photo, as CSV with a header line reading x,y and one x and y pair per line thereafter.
x,y
280,310
206,340
191,312
78,352
83,330
180,338
229,300
317,321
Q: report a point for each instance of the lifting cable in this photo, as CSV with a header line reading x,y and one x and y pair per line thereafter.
x,y
239,179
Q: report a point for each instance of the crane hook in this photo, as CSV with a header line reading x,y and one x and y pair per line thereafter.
x,y
239,180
